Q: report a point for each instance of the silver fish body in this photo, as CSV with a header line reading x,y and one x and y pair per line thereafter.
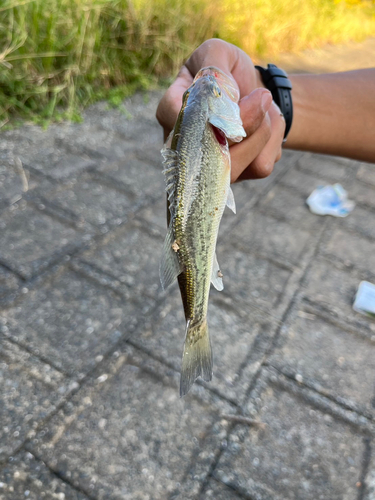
x,y
197,169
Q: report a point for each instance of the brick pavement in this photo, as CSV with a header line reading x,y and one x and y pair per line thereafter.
x,y
90,347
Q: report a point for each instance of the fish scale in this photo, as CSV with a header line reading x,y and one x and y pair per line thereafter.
x,y
197,168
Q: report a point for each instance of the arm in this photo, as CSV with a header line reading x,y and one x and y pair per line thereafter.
x,y
334,114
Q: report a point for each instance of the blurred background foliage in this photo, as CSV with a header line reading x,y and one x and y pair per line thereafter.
x,y
57,56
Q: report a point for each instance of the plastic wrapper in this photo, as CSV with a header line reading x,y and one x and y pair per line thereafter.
x,y
330,200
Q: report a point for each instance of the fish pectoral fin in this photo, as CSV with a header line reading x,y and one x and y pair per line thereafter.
x,y
197,356
216,275
230,201
170,266
168,142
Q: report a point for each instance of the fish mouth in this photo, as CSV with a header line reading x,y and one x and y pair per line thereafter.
x,y
220,136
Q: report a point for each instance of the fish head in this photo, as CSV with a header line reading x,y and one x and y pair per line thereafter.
x,y
221,95
226,82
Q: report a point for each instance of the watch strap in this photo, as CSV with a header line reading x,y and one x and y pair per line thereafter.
x,y
277,82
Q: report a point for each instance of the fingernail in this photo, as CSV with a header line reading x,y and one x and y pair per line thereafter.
x,y
266,101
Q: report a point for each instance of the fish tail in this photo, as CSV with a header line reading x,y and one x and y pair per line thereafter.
x,y
197,356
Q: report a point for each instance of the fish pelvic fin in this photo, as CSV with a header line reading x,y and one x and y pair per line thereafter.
x,y
216,275
230,201
197,356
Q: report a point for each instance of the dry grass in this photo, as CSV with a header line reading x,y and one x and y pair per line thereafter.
x,y
57,56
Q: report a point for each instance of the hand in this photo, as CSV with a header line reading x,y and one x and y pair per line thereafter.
x,y
255,156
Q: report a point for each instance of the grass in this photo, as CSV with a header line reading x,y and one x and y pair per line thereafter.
x,y
58,56
270,27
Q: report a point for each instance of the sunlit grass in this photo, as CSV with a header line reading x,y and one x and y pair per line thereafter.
x,y
57,56
264,28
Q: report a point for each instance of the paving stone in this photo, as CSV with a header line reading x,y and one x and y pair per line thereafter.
x,y
144,104
61,165
239,341
249,279
141,129
366,173
25,138
13,183
302,182
48,156
24,476
362,194
70,321
361,221
129,436
92,202
329,167
9,283
31,239
271,237
156,215
369,482
329,358
30,391
88,139
245,194
124,130
351,249
301,454
139,177
132,256
219,491
126,434
333,289
288,204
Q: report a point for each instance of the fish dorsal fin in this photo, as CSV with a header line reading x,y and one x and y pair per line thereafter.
x,y
170,171
230,201
170,266
216,276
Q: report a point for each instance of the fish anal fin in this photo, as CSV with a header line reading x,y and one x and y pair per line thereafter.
x,y
197,356
170,266
216,276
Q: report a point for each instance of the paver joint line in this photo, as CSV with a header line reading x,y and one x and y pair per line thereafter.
x,y
79,277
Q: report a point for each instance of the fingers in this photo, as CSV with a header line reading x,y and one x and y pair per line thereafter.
x,y
257,125
263,159
170,104
244,153
263,164
253,109
228,58
213,52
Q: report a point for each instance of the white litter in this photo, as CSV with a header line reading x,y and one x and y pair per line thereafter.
x,y
330,200
364,302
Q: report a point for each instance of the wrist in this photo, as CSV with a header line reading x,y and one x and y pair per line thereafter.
x,y
259,81
277,82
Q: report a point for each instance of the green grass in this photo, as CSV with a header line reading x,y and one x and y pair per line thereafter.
x,y
58,56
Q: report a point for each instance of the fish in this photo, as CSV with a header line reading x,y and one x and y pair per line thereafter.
x,y
197,168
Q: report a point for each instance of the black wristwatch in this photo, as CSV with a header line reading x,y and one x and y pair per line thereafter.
x,y
278,83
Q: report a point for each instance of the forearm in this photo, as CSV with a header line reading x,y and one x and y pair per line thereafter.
x,y
334,114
